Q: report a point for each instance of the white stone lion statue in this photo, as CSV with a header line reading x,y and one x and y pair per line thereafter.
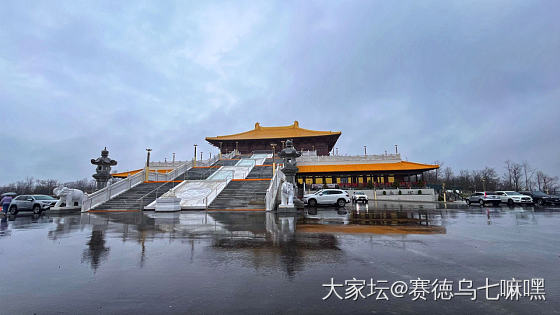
x,y
287,198
68,196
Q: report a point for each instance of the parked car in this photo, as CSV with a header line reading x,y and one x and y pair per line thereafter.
x,y
35,203
541,198
327,197
513,197
484,198
359,196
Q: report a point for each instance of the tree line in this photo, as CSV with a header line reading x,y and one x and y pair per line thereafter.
x,y
514,176
32,186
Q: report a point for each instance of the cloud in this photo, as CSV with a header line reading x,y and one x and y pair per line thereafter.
x,y
468,83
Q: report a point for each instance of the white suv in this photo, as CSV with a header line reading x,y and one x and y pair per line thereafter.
x,y
327,197
512,197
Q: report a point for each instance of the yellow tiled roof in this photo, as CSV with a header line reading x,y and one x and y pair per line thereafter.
x,y
397,166
291,131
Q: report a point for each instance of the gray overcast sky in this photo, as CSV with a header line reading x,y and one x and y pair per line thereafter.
x,y
470,83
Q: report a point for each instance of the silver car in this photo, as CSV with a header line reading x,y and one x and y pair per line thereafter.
x,y
483,198
35,203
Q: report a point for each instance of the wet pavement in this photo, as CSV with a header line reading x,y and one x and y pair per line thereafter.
x,y
257,262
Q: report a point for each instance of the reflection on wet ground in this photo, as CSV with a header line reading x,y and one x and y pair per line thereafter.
x,y
257,262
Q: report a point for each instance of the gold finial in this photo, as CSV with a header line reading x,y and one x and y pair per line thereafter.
x,y
257,126
296,124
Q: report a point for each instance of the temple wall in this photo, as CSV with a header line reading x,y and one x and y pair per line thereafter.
x,y
248,146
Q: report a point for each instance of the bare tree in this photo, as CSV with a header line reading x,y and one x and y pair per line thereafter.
x,y
84,184
437,169
529,173
516,174
45,186
546,183
490,178
540,176
507,176
448,175
463,181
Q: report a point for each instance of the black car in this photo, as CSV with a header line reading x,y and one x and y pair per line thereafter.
x,y
541,198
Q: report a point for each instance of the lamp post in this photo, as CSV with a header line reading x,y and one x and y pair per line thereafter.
x,y
220,150
201,156
336,151
396,149
194,161
283,144
236,147
173,159
365,150
273,145
147,172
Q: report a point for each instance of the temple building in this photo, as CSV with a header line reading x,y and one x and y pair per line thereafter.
x,y
261,138
361,171
317,166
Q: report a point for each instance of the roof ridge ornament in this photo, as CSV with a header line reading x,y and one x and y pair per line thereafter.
x,y
257,126
296,124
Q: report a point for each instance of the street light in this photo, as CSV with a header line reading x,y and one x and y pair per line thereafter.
x,y
220,150
173,159
273,145
236,147
147,172
200,155
194,161
283,144
365,150
336,151
396,149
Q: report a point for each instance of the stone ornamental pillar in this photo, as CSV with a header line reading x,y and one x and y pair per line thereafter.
x,y
289,154
103,170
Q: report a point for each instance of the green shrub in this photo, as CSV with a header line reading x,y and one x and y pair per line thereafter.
x,y
419,191
400,192
384,192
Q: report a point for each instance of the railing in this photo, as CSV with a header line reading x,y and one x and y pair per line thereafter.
x,y
166,164
155,191
215,192
94,199
165,177
262,152
345,158
272,191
